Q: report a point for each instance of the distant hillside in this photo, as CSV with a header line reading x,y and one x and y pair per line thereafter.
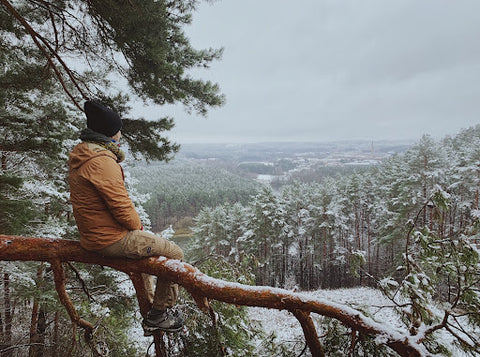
x,y
274,151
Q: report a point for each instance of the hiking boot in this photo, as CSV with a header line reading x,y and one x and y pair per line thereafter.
x,y
167,321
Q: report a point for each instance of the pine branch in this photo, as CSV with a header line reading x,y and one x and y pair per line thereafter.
x,y
36,37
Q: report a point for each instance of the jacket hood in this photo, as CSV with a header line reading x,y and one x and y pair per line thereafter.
x,y
84,152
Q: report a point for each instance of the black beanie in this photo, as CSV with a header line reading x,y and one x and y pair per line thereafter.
x,y
102,119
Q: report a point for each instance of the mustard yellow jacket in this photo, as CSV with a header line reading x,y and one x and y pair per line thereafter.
x,y
103,210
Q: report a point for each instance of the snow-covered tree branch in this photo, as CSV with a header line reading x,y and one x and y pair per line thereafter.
x,y
57,251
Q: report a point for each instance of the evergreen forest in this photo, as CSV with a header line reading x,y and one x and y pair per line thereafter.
x,y
408,226
178,190
347,229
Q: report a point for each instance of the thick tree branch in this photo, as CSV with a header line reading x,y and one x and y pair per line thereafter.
x,y
141,293
59,277
310,333
201,285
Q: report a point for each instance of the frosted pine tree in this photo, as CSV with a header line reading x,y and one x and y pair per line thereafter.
x,y
265,224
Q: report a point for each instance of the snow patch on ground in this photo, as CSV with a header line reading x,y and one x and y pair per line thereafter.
x,y
287,329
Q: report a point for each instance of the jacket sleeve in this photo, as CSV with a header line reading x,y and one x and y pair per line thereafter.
x,y
106,176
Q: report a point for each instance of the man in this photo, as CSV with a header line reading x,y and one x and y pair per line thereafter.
x,y
106,218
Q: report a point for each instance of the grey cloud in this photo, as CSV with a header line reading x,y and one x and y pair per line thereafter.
x,y
337,69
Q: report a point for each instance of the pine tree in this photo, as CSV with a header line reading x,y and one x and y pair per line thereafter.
x,y
82,44
262,238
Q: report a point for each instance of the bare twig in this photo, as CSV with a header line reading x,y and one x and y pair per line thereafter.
x,y
84,285
9,348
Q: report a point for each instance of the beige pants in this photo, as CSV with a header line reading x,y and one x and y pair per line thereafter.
x,y
138,244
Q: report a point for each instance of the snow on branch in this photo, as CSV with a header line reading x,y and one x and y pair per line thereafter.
x,y
204,288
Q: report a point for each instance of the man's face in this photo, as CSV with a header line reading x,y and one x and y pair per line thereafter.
x,y
117,136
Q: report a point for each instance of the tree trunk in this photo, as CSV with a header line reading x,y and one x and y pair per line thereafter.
x,y
33,329
37,349
2,322
8,313
4,162
36,325
55,335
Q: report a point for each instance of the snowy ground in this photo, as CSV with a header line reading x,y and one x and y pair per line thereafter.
x,y
287,328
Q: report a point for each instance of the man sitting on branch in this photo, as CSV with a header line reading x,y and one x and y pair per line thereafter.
x,y
106,217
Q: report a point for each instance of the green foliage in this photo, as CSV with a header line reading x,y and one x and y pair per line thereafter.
x,y
14,211
34,282
232,334
158,147
39,124
217,267
107,306
356,260
149,34
270,347
257,168
419,210
145,138
142,41
35,127
338,340
446,269
96,293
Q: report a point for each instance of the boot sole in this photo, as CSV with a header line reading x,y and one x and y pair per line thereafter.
x,y
149,331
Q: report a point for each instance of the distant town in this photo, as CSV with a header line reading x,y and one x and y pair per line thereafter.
x,y
269,162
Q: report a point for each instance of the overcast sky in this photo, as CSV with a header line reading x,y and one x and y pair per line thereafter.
x,y
323,70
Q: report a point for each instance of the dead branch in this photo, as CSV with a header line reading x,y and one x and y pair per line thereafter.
x,y
82,282
6,349
198,284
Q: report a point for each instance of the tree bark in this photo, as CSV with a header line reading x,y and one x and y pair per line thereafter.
x,y
198,284
33,329
36,324
310,333
8,313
